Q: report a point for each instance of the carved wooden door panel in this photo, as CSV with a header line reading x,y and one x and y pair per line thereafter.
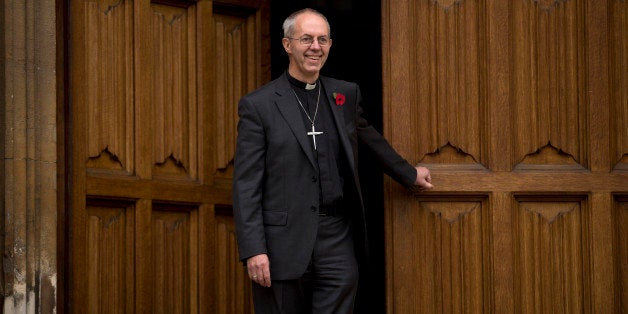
x,y
520,108
154,87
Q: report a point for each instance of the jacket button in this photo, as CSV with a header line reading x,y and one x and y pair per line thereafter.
x,y
313,178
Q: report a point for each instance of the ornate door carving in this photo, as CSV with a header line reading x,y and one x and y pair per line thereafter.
x,y
154,88
520,108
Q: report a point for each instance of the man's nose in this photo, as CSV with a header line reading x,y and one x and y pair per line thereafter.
x,y
315,44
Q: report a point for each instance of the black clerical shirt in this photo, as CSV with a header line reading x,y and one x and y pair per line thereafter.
x,y
327,153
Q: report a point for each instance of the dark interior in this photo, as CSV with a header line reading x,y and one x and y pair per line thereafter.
x,y
355,56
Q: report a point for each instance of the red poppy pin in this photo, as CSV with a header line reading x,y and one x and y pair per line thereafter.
x,y
340,99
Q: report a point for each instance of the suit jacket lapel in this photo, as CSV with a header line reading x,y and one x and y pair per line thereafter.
x,y
290,111
339,118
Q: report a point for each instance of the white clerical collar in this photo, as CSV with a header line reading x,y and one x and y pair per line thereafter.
x,y
301,84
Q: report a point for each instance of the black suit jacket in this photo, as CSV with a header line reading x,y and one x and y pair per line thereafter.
x,y
275,184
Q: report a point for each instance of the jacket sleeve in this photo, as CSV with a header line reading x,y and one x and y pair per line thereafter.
x,y
392,163
247,181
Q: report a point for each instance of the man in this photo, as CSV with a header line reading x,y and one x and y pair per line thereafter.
x,y
296,192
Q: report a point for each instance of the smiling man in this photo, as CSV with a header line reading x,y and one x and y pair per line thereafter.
x,y
309,49
297,201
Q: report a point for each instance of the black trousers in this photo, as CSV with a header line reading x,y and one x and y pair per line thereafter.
x,y
330,282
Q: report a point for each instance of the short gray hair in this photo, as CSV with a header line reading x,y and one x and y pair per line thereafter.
x,y
288,24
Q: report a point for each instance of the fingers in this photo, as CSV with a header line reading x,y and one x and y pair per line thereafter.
x,y
424,179
261,275
259,269
425,186
266,277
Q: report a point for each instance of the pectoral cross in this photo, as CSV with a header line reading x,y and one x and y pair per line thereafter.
x,y
314,133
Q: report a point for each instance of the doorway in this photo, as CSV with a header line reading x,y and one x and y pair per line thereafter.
x,y
355,56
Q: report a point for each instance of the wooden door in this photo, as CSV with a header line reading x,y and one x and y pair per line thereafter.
x,y
153,95
520,108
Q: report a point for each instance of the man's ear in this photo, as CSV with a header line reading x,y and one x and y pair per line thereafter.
x,y
286,45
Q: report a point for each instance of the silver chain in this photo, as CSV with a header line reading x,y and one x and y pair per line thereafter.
x,y
303,108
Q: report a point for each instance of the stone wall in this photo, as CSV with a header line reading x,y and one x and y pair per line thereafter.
x,y
28,150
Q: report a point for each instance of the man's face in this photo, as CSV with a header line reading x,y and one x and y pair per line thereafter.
x,y
306,61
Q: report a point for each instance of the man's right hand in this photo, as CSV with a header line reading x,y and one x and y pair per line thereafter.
x,y
258,268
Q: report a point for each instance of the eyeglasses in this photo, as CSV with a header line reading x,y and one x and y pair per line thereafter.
x,y
306,40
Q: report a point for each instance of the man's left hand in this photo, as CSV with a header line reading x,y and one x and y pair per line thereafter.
x,y
423,179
